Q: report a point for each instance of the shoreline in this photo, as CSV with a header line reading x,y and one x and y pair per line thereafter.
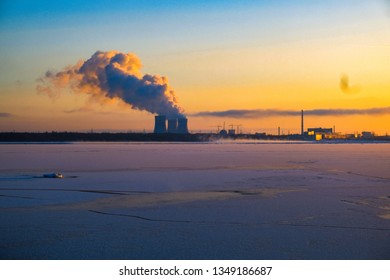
x,y
121,137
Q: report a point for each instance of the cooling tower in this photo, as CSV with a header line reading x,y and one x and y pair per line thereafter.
x,y
182,126
172,126
160,124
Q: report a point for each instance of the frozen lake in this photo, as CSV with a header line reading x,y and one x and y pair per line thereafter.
x,y
264,200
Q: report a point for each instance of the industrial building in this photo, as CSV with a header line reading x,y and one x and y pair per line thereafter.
x,y
175,125
319,133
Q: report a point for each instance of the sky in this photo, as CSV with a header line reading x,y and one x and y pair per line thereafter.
x,y
247,63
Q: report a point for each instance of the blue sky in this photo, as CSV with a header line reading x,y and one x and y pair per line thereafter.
x,y
158,27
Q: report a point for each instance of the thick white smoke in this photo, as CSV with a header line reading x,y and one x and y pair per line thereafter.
x,y
115,75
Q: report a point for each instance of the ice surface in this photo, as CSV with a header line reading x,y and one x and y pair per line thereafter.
x,y
255,200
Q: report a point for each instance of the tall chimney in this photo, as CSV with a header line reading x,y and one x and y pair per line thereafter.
x,y
160,124
182,126
302,123
172,126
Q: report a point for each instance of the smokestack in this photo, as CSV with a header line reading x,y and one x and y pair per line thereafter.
x,y
302,123
172,126
182,126
160,124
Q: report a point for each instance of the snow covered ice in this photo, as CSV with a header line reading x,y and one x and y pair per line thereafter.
x,y
256,200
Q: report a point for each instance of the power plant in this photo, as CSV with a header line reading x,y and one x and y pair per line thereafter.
x,y
160,124
172,126
182,126
176,125
179,125
175,129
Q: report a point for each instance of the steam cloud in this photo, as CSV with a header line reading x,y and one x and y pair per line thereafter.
x,y
263,113
109,75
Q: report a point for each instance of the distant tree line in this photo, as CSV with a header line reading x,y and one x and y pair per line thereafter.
x,y
46,137
94,137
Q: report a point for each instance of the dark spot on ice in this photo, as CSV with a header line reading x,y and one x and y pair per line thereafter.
x,y
16,196
119,192
242,192
53,176
302,162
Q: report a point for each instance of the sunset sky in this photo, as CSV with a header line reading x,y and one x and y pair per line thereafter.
x,y
218,56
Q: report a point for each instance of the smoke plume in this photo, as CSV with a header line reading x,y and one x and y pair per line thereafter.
x,y
263,113
110,75
5,115
346,87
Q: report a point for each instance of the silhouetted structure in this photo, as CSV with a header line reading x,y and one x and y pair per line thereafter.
x,y
182,126
319,133
367,135
172,126
160,124
175,125
69,137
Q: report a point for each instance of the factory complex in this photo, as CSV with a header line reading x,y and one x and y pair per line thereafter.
x,y
175,129
175,125
179,125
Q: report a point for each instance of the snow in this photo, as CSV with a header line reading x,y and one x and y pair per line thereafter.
x,y
233,200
